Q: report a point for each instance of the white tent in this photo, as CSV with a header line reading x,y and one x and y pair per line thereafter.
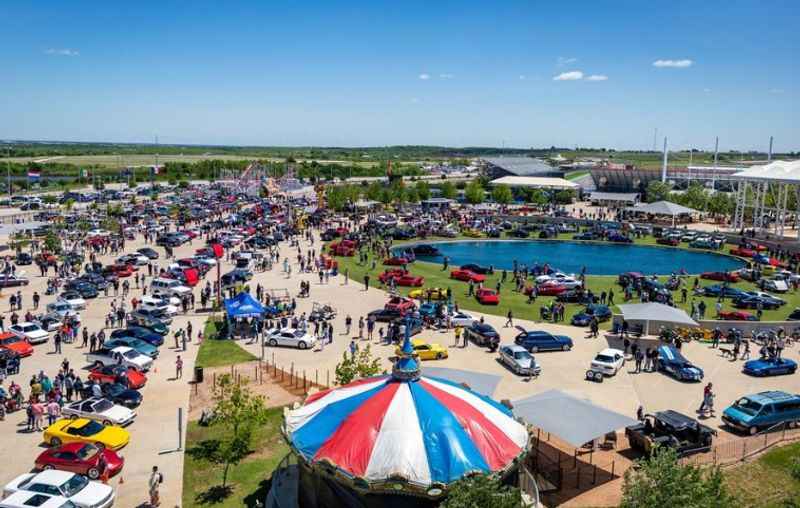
x,y
652,311
662,208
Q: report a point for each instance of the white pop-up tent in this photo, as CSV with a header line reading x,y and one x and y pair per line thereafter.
x,y
647,312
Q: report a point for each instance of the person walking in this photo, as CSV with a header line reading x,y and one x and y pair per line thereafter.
x,y
704,403
179,367
156,479
348,323
639,357
457,332
509,319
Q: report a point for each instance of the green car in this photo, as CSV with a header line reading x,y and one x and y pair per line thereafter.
x,y
134,343
154,325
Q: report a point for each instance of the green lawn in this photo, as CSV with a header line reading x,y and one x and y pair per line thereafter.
x,y
249,481
517,302
767,482
218,353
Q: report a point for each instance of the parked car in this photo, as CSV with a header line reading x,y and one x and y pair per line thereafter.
x,y
74,299
425,350
436,294
519,360
482,334
125,356
291,337
81,430
141,333
384,315
15,343
462,319
472,267
78,489
400,304
737,315
762,410
127,376
148,252
584,318
31,332
100,409
466,276
670,429
764,367
721,276
23,258
672,362
608,361
539,340
81,458
10,280
718,290
486,296
139,345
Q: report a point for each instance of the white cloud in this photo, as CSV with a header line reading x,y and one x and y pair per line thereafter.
x,y
62,52
562,61
446,75
776,90
597,77
424,76
569,76
522,77
676,64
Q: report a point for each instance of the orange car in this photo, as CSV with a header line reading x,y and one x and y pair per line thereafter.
x,y
16,344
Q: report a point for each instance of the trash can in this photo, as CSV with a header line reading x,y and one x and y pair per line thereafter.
x,y
198,374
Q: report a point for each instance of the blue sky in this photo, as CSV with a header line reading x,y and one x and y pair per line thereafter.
x,y
366,73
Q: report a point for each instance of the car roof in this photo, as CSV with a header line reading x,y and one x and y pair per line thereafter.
x,y
676,419
771,396
52,477
611,351
27,499
515,348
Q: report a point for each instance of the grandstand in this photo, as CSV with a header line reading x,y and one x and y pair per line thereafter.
x,y
629,178
496,167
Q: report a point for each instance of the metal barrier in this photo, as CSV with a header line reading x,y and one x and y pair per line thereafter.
x,y
739,450
528,486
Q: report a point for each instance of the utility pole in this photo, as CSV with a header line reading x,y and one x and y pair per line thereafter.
x,y
769,154
655,137
664,163
8,171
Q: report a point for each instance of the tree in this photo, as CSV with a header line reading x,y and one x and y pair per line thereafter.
x,y
662,481
657,191
360,365
69,204
502,194
448,190
52,243
474,193
720,203
423,190
481,490
373,191
238,411
335,197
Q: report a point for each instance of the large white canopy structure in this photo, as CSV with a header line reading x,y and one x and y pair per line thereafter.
x,y
666,208
652,311
536,182
776,179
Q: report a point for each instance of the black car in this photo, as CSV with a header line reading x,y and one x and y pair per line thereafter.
x,y
749,301
672,429
472,267
329,234
85,289
483,334
23,258
141,333
584,318
384,315
148,253
94,279
573,296
425,250
794,315
520,233
586,235
121,394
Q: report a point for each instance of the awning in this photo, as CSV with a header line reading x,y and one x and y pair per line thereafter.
x,y
243,305
662,208
485,384
655,312
576,421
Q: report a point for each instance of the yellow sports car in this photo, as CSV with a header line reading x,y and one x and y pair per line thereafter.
x,y
82,430
426,351
472,233
428,294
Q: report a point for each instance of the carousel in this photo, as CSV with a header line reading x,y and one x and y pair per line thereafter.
x,y
398,440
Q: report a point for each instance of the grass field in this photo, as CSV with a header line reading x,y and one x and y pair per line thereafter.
x,y
518,303
219,353
114,161
249,481
767,482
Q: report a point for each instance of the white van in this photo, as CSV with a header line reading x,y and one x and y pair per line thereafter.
x,y
168,288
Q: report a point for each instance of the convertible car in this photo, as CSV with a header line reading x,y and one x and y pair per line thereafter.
x,y
82,430
770,367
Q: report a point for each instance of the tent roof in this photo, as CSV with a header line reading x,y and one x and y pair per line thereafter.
x,y
536,182
655,312
662,208
576,421
485,384
777,171
243,305
615,196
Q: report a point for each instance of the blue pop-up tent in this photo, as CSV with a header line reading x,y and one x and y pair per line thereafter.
x,y
243,305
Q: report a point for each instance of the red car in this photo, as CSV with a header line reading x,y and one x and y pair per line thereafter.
x,y
120,270
487,296
668,241
722,276
467,275
410,281
396,261
343,248
741,251
128,376
81,458
550,289
16,344
387,275
737,315
400,304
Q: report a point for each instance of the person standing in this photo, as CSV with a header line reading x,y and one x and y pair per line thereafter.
x,y
178,367
154,483
704,403
509,319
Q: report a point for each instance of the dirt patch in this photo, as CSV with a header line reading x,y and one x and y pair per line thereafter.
x,y
257,377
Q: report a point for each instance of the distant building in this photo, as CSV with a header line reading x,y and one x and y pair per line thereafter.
x,y
497,167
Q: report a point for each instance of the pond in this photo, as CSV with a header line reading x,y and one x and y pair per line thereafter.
x,y
571,256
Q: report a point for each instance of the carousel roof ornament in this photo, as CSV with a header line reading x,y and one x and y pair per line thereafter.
x,y
404,431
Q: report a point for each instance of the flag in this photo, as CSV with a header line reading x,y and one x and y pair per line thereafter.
x,y
34,174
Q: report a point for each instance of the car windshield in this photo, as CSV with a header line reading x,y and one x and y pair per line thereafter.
x,y
103,405
29,328
90,429
521,355
10,340
130,354
74,485
87,452
604,358
748,406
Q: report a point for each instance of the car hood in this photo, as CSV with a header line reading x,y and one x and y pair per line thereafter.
x,y
737,415
118,413
94,494
765,364
693,372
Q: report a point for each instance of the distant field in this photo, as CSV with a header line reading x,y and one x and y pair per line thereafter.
x,y
113,161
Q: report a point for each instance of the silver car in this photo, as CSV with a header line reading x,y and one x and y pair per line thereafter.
x,y
519,360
